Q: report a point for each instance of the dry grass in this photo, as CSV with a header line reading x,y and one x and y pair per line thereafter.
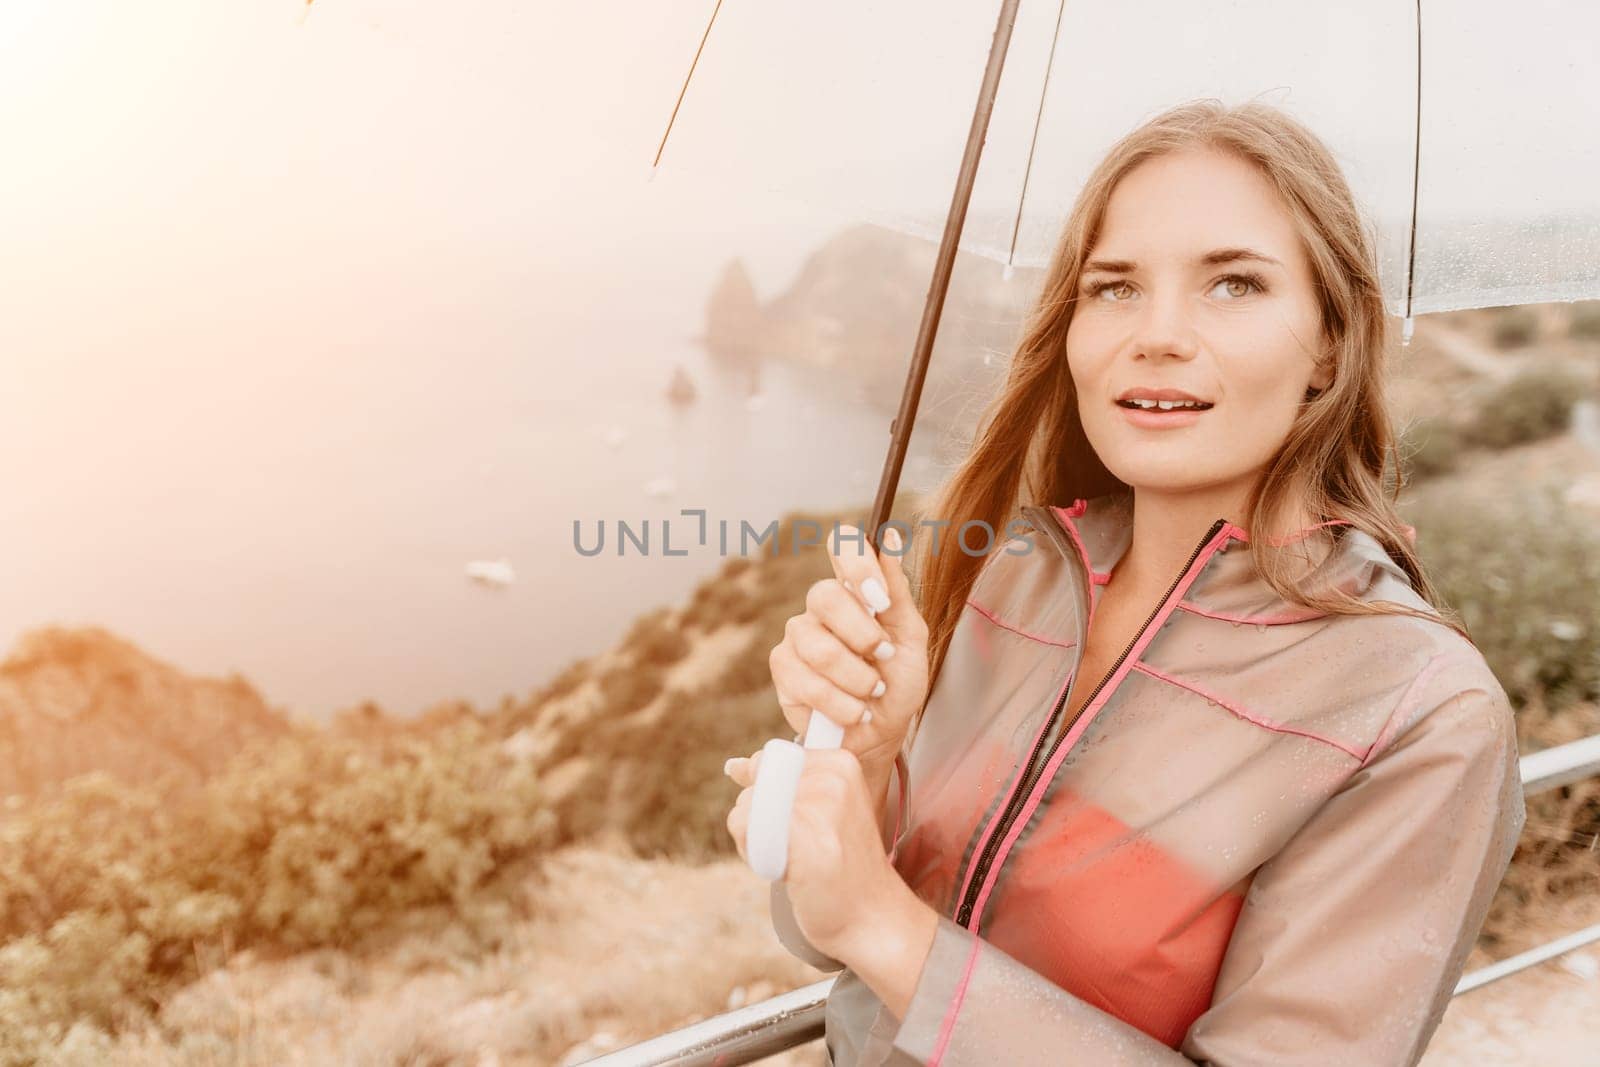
x,y
613,949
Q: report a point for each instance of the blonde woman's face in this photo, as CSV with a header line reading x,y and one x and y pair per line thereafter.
x,y
1197,286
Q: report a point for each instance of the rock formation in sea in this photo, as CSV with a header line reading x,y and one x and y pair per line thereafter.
x,y
854,308
734,319
680,390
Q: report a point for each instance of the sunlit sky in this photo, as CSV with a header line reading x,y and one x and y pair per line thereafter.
x,y
139,130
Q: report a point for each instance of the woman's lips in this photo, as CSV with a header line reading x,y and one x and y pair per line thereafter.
x,y
1161,420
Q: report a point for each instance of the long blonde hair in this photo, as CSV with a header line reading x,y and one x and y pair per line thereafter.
x,y
1338,453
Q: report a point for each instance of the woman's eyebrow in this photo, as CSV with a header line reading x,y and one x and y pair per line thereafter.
x,y
1210,259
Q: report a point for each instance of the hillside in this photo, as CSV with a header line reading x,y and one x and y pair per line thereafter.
x,y
542,881
79,700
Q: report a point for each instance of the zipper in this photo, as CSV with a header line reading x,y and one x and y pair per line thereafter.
x,y
1035,766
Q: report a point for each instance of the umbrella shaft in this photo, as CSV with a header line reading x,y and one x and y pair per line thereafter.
x,y
905,419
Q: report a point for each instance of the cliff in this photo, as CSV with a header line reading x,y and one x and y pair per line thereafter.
x,y
79,700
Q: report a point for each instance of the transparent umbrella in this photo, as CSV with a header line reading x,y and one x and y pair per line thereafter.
x,y
1467,131
1473,129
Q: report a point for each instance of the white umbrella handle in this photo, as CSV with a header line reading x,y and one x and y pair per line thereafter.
x,y
767,837
766,843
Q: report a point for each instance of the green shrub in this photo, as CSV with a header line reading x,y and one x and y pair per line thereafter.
x,y
567,681
678,798
682,810
1431,447
627,689
720,601
656,639
1524,572
1585,322
106,890
1514,327
1535,404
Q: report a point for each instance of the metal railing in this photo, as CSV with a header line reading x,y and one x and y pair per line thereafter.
x,y
750,1033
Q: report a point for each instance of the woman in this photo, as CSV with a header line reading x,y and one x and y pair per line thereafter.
x,y
1205,773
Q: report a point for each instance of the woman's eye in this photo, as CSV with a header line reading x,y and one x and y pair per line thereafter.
x,y
1232,287
1116,288
1237,285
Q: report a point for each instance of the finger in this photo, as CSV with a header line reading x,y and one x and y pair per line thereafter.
x,y
789,674
842,613
902,617
855,564
821,649
739,822
743,769
802,690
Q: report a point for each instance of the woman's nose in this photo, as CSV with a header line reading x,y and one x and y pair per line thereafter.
x,y
1166,329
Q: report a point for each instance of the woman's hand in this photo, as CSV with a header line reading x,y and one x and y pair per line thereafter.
x,y
868,674
848,900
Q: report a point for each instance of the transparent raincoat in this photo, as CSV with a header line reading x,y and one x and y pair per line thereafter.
x,y
1270,837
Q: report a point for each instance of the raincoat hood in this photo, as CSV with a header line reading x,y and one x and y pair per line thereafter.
x,y
1268,836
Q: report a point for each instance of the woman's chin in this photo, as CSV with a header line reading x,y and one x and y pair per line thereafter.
x,y
1163,478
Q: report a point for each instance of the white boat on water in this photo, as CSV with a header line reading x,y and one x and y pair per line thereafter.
x,y
492,572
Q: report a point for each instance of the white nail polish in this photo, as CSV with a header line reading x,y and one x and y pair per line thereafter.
x,y
884,651
866,717
876,595
878,689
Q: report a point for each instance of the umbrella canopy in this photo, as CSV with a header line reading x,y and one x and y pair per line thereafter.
x,y
1478,120
864,105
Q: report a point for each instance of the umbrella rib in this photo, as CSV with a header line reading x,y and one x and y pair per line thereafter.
x,y
685,88
1038,120
1416,168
